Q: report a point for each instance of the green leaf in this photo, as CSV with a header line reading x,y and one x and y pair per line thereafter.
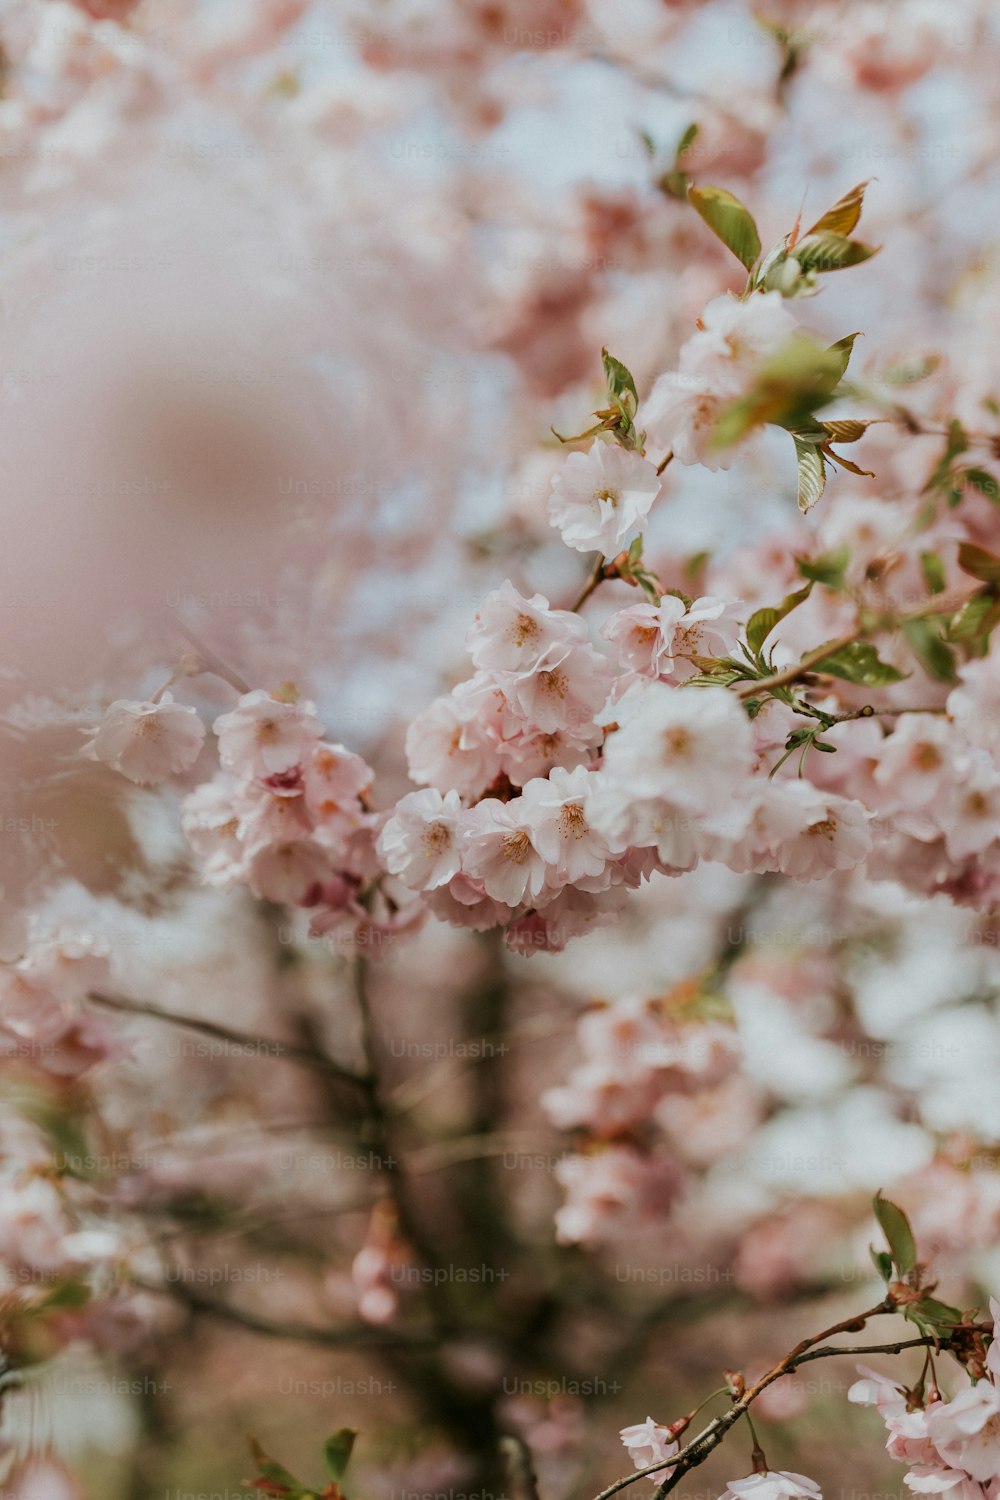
x,y
899,1236
924,640
831,252
933,570
621,386
977,617
811,474
842,350
70,1294
937,1314
845,213
978,563
826,567
859,662
984,482
687,140
270,1469
727,217
763,621
337,1451
882,1262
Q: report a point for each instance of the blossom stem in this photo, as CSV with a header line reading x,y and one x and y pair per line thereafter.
x,y
698,1449
209,662
597,577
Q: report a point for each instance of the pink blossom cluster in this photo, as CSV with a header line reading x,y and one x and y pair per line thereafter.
x,y
287,816
556,782
44,1028
636,1055
952,1446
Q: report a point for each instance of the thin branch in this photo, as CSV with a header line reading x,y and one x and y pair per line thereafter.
x,y
350,1336
698,1449
262,1046
797,668
212,663
381,1137
597,577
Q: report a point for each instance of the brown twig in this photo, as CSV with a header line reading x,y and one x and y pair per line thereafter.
x,y
597,577
698,1449
259,1045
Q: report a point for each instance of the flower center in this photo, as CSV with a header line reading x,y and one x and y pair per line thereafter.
x,y
926,757
687,640
437,838
611,495
525,631
515,846
572,823
826,828
553,683
676,742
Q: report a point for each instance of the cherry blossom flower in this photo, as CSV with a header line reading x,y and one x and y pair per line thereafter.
x,y
601,498
499,849
334,779
557,810
567,690
647,1444
534,753
211,823
966,1430
909,1440
716,365
792,826
513,634
147,742
455,744
611,1188
682,414
288,873
641,636
420,841
263,736
272,811
689,746
917,761
970,816
776,1484
664,640
934,1479
974,705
